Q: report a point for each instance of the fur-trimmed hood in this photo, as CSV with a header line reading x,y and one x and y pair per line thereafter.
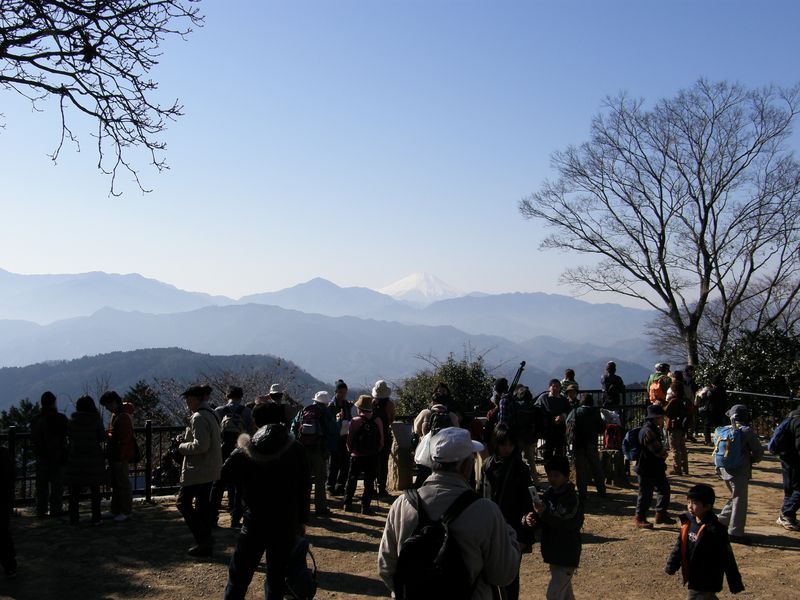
x,y
266,444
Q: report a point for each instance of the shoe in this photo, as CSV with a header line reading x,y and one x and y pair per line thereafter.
x,y
675,472
121,518
788,523
366,510
322,512
642,523
663,518
740,539
201,550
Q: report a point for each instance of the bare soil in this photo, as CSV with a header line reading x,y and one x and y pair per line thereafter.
x,y
145,557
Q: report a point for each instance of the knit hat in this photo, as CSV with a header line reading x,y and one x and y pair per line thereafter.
x,y
739,413
654,410
340,385
702,492
364,403
381,390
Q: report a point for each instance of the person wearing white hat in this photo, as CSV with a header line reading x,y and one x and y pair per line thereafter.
x,y
488,545
314,428
384,408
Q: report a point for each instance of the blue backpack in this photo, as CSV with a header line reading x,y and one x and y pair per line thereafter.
x,y
728,449
782,441
631,447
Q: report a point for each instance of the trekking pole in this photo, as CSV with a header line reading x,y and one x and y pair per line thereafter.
x,y
515,381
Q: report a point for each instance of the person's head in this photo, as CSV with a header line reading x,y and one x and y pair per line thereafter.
x,y
381,390
739,414
569,374
441,394
587,400
85,404
611,366
718,380
662,368
501,385
262,414
194,396
48,400
572,393
322,397
234,392
555,387
655,414
700,500
677,386
340,392
276,393
453,450
364,404
557,469
111,401
503,442
523,393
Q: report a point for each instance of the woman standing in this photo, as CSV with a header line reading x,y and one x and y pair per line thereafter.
x,y
85,463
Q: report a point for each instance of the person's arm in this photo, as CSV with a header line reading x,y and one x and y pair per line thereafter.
x,y
731,569
419,422
571,518
379,424
674,559
388,549
232,468
201,436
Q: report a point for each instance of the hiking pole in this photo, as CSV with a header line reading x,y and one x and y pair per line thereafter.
x,y
515,381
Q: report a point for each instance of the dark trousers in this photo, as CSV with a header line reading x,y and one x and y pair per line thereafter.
x,y
74,501
250,547
8,555
49,486
235,506
555,443
383,465
358,465
647,485
194,504
791,490
339,465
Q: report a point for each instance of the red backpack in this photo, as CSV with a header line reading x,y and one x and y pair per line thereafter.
x,y
612,440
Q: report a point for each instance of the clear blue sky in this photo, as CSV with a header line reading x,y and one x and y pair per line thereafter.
x,y
361,141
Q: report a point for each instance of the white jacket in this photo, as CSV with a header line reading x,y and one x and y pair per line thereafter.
x,y
488,544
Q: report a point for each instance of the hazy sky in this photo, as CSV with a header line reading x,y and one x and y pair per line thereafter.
x,y
362,141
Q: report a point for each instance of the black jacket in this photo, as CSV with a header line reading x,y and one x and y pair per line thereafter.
x,y
712,557
561,524
792,458
652,457
272,470
506,482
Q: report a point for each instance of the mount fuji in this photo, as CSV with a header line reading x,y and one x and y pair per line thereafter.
x,y
420,289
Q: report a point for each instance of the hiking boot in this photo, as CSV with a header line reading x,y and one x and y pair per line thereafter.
x,y
201,550
663,518
788,523
642,523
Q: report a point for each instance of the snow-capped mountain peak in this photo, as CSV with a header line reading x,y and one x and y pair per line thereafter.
x,y
420,288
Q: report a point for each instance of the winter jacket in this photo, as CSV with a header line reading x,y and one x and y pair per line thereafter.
x,y
552,406
49,435
792,458
120,439
273,473
712,556
487,543
588,425
201,449
613,388
342,414
506,481
85,463
356,425
561,524
384,410
653,454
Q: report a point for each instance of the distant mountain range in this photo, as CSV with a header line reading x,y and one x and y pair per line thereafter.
x,y
355,333
120,370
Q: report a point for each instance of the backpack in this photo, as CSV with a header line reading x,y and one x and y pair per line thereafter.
x,y
437,420
310,430
612,439
430,565
631,447
656,392
367,438
301,581
379,410
728,449
782,442
232,425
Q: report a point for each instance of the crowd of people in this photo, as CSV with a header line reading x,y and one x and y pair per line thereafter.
x,y
477,503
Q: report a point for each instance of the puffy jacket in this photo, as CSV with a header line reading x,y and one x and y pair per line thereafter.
x,y
201,450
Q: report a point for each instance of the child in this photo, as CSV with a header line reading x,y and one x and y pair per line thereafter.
x,y
506,479
560,517
703,552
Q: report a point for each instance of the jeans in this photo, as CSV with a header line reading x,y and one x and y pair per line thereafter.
x,y
195,506
252,544
647,484
49,486
791,490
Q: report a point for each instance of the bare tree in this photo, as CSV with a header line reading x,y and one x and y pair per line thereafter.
x,y
95,56
693,202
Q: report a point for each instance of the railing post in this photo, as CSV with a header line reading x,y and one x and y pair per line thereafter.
x,y
12,443
148,461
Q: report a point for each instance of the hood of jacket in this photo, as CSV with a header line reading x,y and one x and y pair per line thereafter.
x,y
268,443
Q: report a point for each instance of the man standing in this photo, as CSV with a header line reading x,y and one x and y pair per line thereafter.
x,y
202,461
342,411
314,427
235,419
49,437
658,384
384,410
120,452
272,471
613,386
487,544
652,470
789,453
588,426
555,408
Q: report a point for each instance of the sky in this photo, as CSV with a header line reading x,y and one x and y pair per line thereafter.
x,y
361,141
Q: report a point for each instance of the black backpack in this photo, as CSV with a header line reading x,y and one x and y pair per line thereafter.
x,y
366,440
438,420
431,565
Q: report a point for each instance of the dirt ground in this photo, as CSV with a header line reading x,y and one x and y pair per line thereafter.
x,y
144,558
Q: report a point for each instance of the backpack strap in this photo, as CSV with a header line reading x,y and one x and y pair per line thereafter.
x,y
457,507
412,496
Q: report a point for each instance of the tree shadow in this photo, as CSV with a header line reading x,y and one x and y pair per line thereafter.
x,y
346,583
